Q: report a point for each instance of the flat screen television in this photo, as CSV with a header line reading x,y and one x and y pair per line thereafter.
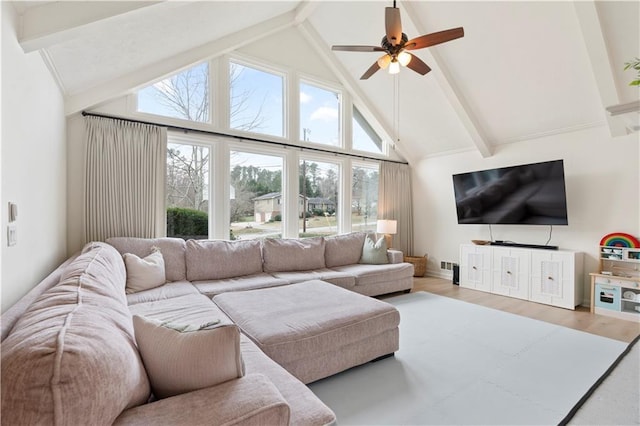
x,y
532,194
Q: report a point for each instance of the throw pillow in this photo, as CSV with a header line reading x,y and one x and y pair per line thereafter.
x,y
144,274
182,358
374,252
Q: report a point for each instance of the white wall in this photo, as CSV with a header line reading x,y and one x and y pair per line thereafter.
x,y
601,177
33,166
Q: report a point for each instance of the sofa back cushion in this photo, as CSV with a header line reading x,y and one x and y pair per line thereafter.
x,y
144,273
293,255
172,249
343,250
72,358
215,260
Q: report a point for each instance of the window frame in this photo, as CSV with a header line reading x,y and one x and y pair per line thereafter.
x,y
213,123
364,165
384,149
264,67
340,163
342,99
257,150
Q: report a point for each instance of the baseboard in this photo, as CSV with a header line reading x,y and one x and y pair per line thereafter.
x,y
448,275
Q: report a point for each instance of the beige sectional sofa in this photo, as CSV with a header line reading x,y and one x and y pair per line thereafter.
x,y
69,350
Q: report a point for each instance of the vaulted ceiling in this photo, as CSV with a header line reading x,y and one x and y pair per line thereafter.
x,y
523,69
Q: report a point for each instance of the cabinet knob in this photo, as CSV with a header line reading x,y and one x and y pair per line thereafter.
x,y
509,272
473,267
550,278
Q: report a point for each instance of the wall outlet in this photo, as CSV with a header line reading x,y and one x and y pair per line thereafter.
x,y
12,235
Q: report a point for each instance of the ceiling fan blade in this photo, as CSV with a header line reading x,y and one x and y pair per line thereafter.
x,y
372,70
358,48
393,25
418,65
434,38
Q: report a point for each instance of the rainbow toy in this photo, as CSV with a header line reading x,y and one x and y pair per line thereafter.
x,y
619,239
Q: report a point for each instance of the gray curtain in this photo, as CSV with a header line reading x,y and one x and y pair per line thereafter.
x,y
125,167
394,202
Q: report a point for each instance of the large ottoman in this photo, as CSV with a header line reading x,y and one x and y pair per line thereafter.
x,y
314,329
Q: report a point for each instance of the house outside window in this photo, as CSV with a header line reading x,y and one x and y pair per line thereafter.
x,y
256,211
318,182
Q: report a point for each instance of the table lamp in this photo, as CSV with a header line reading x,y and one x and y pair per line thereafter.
x,y
388,228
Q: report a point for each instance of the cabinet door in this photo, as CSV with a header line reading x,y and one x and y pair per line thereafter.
x,y
475,267
510,270
553,278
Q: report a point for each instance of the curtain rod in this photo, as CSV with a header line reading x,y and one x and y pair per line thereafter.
x,y
242,138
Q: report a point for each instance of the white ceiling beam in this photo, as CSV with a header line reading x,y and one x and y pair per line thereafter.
x,y
452,93
52,23
369,112
304,10
600,64
158,70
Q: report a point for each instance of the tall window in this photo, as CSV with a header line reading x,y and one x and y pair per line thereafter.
x,y
319,115
364,197
256,100
256,206
364,137
187,191
319,183
184,95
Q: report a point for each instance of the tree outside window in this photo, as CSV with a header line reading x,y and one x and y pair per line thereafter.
x,y
187,191
256,207
318,183
364,198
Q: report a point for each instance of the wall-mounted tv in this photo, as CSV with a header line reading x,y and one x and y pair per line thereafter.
x,y
532,194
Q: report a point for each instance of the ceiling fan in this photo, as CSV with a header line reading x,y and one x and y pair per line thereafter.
x,y
396,44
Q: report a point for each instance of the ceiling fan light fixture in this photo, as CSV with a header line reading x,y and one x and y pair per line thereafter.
x,y
394,67
384,61
404,58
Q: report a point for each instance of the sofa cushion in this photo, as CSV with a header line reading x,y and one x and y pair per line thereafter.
x,y
373,274
144,273
190,309
181,357
340,279
173,252
343,249
167,291
75,340
293,254
374,252
214,260
247,282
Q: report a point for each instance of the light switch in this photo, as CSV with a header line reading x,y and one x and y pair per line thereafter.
x,y
12,234
13,212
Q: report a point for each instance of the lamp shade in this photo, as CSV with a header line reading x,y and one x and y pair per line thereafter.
x,y
387,227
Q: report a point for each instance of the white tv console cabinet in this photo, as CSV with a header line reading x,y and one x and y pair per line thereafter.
x,y
552,277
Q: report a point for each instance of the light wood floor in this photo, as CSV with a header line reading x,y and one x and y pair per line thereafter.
x,y
580,319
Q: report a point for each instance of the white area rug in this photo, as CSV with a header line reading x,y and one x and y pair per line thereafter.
x,y
461,363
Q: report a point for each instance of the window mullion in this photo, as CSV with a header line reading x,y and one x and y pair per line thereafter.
x,y
224,88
